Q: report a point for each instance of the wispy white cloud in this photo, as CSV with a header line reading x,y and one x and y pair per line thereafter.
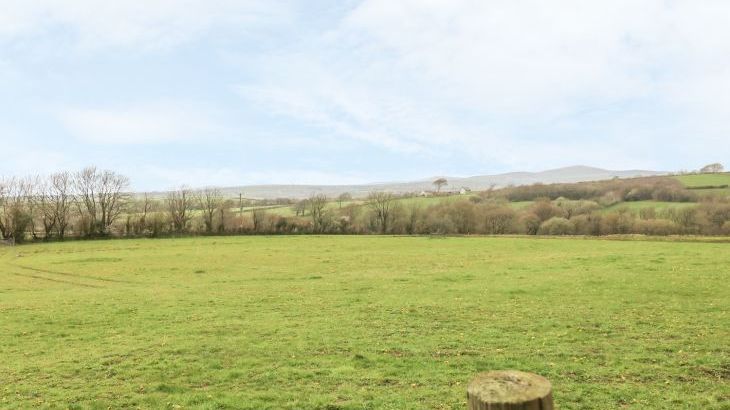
x,y
138,24
145,123
358,102
371,87
170,177
511,81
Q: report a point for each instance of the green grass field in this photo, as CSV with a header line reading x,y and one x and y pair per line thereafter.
x,y
432,200
521,204
714,192
700,180
361,322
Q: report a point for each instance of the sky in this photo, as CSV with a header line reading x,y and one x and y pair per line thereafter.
x,y
226,92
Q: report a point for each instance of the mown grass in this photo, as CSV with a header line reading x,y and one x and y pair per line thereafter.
x,y
361,322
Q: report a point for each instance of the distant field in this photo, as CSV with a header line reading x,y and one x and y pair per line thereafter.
x,y
638,205
701,180
287,210
521,204
723,192
432,200
283,210
361,322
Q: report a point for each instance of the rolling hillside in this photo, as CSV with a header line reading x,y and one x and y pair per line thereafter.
x,y
476,183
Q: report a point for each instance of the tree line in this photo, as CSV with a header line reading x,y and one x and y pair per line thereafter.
x,y
93,203
87,203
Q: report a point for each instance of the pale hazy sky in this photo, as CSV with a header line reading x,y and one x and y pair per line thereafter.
x,y
229,92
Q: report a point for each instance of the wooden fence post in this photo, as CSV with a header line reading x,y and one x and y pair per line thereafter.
x,y
509,390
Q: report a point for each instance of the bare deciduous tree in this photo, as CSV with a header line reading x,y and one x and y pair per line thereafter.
x,y
300,208
62,196
179,205
100,197
258,215
498,220
463,215
317,209
414,214
381,203
139,214
6,186
46,207
14,218
344,197
53,199
145,209
224,212
31,186
210,201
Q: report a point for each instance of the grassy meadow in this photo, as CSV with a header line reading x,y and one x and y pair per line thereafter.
x,y
703,180
361,322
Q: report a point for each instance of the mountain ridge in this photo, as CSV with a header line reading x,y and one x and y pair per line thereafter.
x,y
576,173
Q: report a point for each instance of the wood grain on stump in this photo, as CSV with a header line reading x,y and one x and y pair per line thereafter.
x,y
509,390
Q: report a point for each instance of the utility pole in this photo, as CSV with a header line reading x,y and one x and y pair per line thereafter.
x,y
240,208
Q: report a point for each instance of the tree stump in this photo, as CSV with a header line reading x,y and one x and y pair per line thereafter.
x,y
509,390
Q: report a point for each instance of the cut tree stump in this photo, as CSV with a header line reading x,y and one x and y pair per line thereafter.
x,y
509,390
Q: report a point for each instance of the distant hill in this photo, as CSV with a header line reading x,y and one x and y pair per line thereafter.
x,y
475,183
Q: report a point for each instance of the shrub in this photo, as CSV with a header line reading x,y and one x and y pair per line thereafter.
x,y
588,224
282,225
530,223
573,208
642,193
656,227
619,222
21,220
156,224
647,213
557,226
463,216
673,194
688,218
499,220
610,198
726,228
437,223
545,210
716,214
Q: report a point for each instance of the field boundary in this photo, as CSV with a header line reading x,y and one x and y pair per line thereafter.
x,y
615,237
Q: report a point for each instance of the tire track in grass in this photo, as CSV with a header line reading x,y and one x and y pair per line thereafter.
x,y
68,282
74,275
7,257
